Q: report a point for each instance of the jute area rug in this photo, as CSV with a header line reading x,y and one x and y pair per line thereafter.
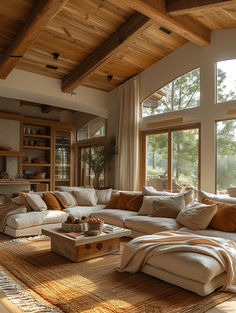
x,y
95,286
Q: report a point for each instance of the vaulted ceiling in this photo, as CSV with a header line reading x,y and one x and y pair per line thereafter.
x,y
102,43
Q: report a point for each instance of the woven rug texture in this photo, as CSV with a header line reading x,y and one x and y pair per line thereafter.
x,y
95,286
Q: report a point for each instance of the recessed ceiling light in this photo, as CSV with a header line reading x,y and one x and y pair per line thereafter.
x,y
109,77
52,67
55,55
165,30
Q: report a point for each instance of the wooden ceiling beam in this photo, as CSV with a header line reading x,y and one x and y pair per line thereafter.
x,y
43,12
124,35
184,26
180,7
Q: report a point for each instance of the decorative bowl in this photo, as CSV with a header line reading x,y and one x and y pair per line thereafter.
x,y
74,227
95,226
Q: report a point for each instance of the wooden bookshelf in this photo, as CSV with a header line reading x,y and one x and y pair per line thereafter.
x,y
11,153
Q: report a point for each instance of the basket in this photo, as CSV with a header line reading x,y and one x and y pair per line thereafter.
x,y
95,226
74,227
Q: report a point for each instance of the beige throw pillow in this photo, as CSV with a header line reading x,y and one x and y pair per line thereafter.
x,y
211,196
196,215
147,206
168,206
188,194
36,202
86,197
104,195
66,198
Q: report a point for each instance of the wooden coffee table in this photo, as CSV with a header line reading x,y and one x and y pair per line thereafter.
x,y
85,248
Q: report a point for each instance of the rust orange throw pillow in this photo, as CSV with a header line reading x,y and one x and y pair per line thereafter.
x,y
51,201
113,201
225,217
124,199
135,203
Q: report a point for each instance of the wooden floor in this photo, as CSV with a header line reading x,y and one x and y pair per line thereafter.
x,y
7,307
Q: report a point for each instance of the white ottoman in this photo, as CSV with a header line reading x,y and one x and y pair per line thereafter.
x,y
199,273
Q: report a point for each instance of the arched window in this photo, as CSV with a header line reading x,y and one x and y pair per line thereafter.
x,y
93,129
180,94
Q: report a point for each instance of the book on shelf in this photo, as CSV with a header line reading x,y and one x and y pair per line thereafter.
x,y
75,235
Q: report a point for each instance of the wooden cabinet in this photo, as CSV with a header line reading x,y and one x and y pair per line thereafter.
x,y
48,154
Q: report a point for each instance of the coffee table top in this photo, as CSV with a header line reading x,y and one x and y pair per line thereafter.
x,y
59,233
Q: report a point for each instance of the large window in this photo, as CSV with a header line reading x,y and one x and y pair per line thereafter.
x,y
87,176
172,158
226,80
226,155
180,94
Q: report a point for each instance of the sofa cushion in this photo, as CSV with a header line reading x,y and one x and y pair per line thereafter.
x,y
79,211
36,202
65,198
113,201
104,195
135,203
86,196
210,232
196,215
211,196
188,194
147,206
168,206
114,216
150,224
225,217
29,219
194,266
124,198
51,201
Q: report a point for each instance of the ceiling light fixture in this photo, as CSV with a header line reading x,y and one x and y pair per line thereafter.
x,y
165,30
109,77
52,67
73,94
55,55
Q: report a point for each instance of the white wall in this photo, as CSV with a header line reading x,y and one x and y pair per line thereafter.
x,y
222,47
37,88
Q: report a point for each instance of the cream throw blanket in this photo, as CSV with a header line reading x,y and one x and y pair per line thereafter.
x,y
5,211
139,250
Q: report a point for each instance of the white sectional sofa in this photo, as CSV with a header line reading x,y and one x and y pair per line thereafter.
x,y
23,223
198,273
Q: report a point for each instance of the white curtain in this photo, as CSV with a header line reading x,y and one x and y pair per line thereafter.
x,y
126,169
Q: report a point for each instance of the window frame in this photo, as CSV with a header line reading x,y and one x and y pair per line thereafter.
x,y
216,121
169,130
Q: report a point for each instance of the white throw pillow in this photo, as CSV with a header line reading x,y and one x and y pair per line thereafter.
x,y
69,188
188,194
104,195
66,198
86,196
232,191
211,196
36,202
168,206
196,215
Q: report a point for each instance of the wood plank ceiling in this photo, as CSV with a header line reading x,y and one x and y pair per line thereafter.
x,y
97,38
